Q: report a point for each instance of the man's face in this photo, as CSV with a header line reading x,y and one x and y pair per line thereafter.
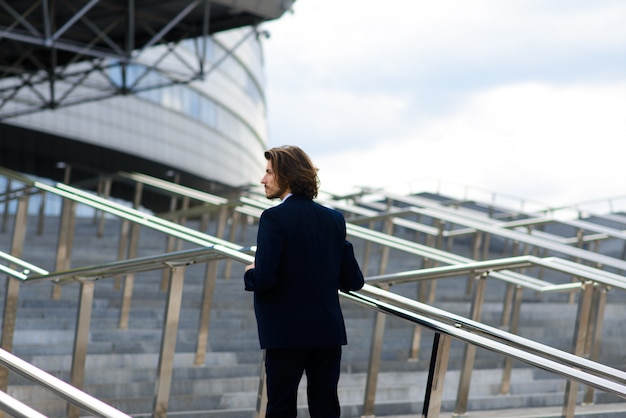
x,y
272,189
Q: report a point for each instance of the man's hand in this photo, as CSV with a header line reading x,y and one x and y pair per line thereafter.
x,y
250,266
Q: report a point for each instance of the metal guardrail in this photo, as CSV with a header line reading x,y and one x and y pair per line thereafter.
x,y
176,262
230,251
515,280
53,384
442,322
511,346
448,215
227,250
591,303
524,217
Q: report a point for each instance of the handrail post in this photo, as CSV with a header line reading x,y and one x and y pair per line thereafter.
x,y
441,228
81,338
486,245
122,249
168,342
222,220
580,338
367,251
7,205
41,215
205,219
384,252
182,221
436,375
470,352
261,399
377,339
505,384
13,285
416,338
478,238
476,246
104,186
374,365
423,294
65,241
232,236
210,280
507,304
596,334
243,227
129,281
170,243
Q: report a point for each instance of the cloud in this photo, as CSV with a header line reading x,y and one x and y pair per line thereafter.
x,y
523,97
535,141
335,119
365,40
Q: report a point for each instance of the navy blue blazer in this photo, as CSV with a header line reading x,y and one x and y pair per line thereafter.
x,y
302,260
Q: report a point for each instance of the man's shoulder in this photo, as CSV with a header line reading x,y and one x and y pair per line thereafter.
x,y
289,205
326,208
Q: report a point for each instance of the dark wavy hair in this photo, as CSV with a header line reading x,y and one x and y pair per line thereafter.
x,y
294,169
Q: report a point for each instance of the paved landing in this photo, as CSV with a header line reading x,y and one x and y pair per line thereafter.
x,y
590,411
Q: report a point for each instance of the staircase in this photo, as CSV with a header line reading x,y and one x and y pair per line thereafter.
x,y
121,363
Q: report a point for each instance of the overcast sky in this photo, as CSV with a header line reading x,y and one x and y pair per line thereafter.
x,y
525,98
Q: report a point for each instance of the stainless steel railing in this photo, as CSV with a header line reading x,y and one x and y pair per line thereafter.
x,y
445,324
73,395
574,368
252,208
452,217
176,262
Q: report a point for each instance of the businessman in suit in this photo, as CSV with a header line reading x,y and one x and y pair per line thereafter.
x,y
302,260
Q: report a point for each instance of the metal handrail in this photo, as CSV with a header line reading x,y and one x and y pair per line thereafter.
x,y
192,235
56,385
253,208
230,250
174,188
600,276
533,218
17,408
26,266
496,334
577,368
524,261
203,239
142,264
134,215
451,216
472,332
176,261
395,214
121,211
516,282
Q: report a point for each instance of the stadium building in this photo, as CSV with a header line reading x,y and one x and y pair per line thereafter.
x,y
187,103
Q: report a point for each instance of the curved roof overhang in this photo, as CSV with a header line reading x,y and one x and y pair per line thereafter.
x,y
48,47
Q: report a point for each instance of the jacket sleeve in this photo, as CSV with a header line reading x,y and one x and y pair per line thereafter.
x,y
270,242
350,277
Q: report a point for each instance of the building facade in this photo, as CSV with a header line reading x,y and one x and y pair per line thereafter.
x,y
212,129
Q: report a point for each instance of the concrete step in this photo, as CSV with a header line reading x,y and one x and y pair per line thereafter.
x,y
616,410
123,362
397,393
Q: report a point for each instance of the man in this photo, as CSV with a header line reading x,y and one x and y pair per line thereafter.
x,y
302,260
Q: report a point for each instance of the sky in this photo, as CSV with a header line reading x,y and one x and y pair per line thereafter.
x,y
524,99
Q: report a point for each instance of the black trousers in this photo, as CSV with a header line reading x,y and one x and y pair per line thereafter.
x,y
284,369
